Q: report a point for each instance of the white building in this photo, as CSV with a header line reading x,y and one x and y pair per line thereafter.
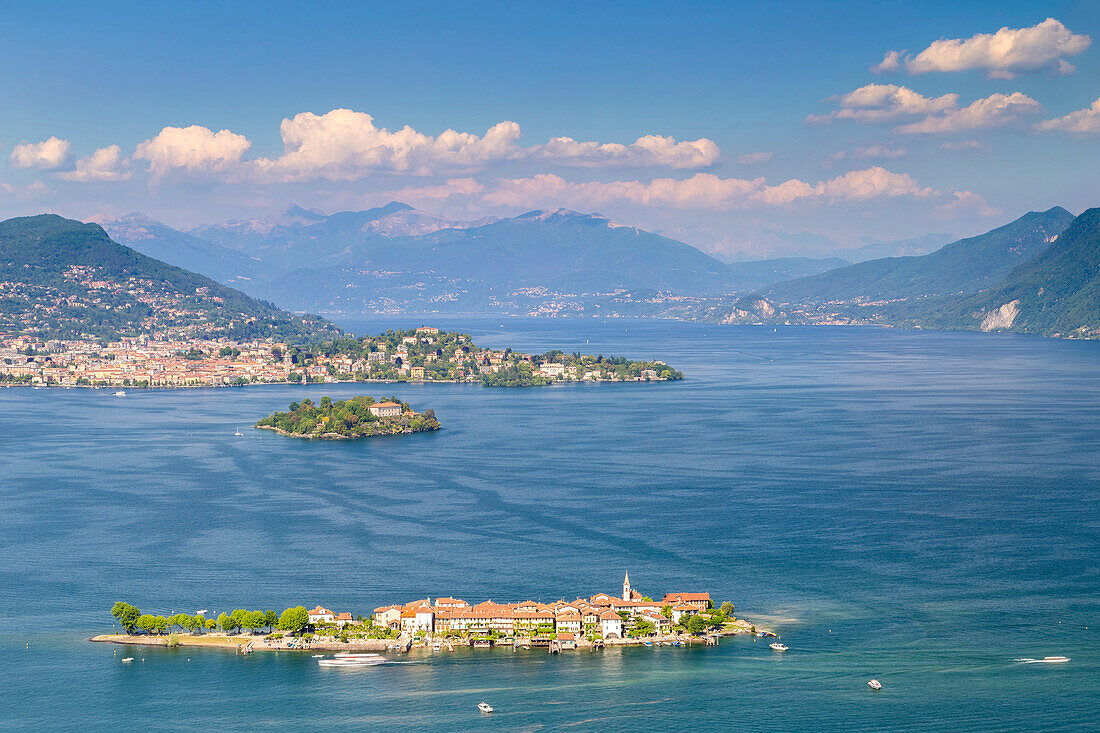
x,y
385,409
321,615
611,625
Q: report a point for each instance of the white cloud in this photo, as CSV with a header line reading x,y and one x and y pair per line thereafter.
x,y
344,145
885,103
1082,122
964,202
705,191
879,151
996,110
105,164
47,155
193,148
648,150
754,158
1002,55
890,62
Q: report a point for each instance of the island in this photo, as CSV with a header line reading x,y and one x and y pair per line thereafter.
x,y
357,417
676,618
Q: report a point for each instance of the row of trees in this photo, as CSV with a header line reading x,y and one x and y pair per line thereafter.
x,y
133,620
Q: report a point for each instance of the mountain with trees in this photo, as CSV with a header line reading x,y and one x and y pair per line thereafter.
x,y
61,278
1056,293
963,267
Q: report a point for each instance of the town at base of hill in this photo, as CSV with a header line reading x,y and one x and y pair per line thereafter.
x,y
424,354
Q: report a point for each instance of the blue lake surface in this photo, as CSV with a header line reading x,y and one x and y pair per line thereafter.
x,y
923,508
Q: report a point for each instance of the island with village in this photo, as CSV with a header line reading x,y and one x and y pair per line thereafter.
x,y
601,620
356,417
425,354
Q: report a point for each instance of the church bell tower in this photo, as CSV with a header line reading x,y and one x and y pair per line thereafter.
x,y
626,587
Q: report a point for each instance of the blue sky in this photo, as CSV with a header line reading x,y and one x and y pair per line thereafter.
x,y
748,100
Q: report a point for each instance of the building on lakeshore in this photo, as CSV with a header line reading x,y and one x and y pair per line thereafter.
x,y
385,409
699,601
321,615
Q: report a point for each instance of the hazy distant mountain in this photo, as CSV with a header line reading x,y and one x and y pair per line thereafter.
x,y
160,241
395,258
1055,293
298,237
962,267
69,279
875,249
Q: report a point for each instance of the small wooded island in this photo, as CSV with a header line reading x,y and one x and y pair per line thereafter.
x,y
358,417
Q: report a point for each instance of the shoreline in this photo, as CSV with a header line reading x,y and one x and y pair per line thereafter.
x,y
403,645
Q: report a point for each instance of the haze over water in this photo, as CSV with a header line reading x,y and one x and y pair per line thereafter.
x,y
917,507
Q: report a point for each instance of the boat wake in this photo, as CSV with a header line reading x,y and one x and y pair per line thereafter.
x,y
1044,660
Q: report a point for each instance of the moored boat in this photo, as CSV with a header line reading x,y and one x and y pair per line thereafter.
x,y
484,707
875,685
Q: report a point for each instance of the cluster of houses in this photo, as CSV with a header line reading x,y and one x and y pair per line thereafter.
x,y
426,354
141,361
601,614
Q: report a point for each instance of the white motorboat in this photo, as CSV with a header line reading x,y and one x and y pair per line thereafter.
x,y
1044,660
875,685
357,655
350,662
120,393
127,659
778,647
485,707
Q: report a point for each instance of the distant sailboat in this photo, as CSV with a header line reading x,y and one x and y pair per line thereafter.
x,y
239,434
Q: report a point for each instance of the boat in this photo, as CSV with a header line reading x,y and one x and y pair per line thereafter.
x,y
778,647
357,655
239,434
485,707
1044,660
127,659
318,656
648,643
875,685
350,662
120,393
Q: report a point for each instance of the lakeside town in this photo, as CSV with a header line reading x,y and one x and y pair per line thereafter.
x,y
604,619
425,354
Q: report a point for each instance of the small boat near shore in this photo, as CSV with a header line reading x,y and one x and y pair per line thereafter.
x,y
119,393
485,707
345,662
127,660
778,647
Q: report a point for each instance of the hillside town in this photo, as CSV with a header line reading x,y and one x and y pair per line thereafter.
x,y
424,354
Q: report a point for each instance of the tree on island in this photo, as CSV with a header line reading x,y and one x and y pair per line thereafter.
x,y
294,619
127,615
726,609
696,624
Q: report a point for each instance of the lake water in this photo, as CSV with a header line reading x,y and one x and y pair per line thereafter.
x,y
917,507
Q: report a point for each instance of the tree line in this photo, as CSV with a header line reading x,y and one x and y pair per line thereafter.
x,y
132,620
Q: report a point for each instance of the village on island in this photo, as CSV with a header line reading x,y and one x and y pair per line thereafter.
x,y
425,354
604,619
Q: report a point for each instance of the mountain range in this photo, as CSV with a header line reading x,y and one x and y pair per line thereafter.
x,y
397,258
1039,274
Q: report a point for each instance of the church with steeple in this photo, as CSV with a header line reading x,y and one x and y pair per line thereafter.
x,y
629,594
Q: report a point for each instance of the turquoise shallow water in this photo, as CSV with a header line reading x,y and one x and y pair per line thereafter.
x,y
917,507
